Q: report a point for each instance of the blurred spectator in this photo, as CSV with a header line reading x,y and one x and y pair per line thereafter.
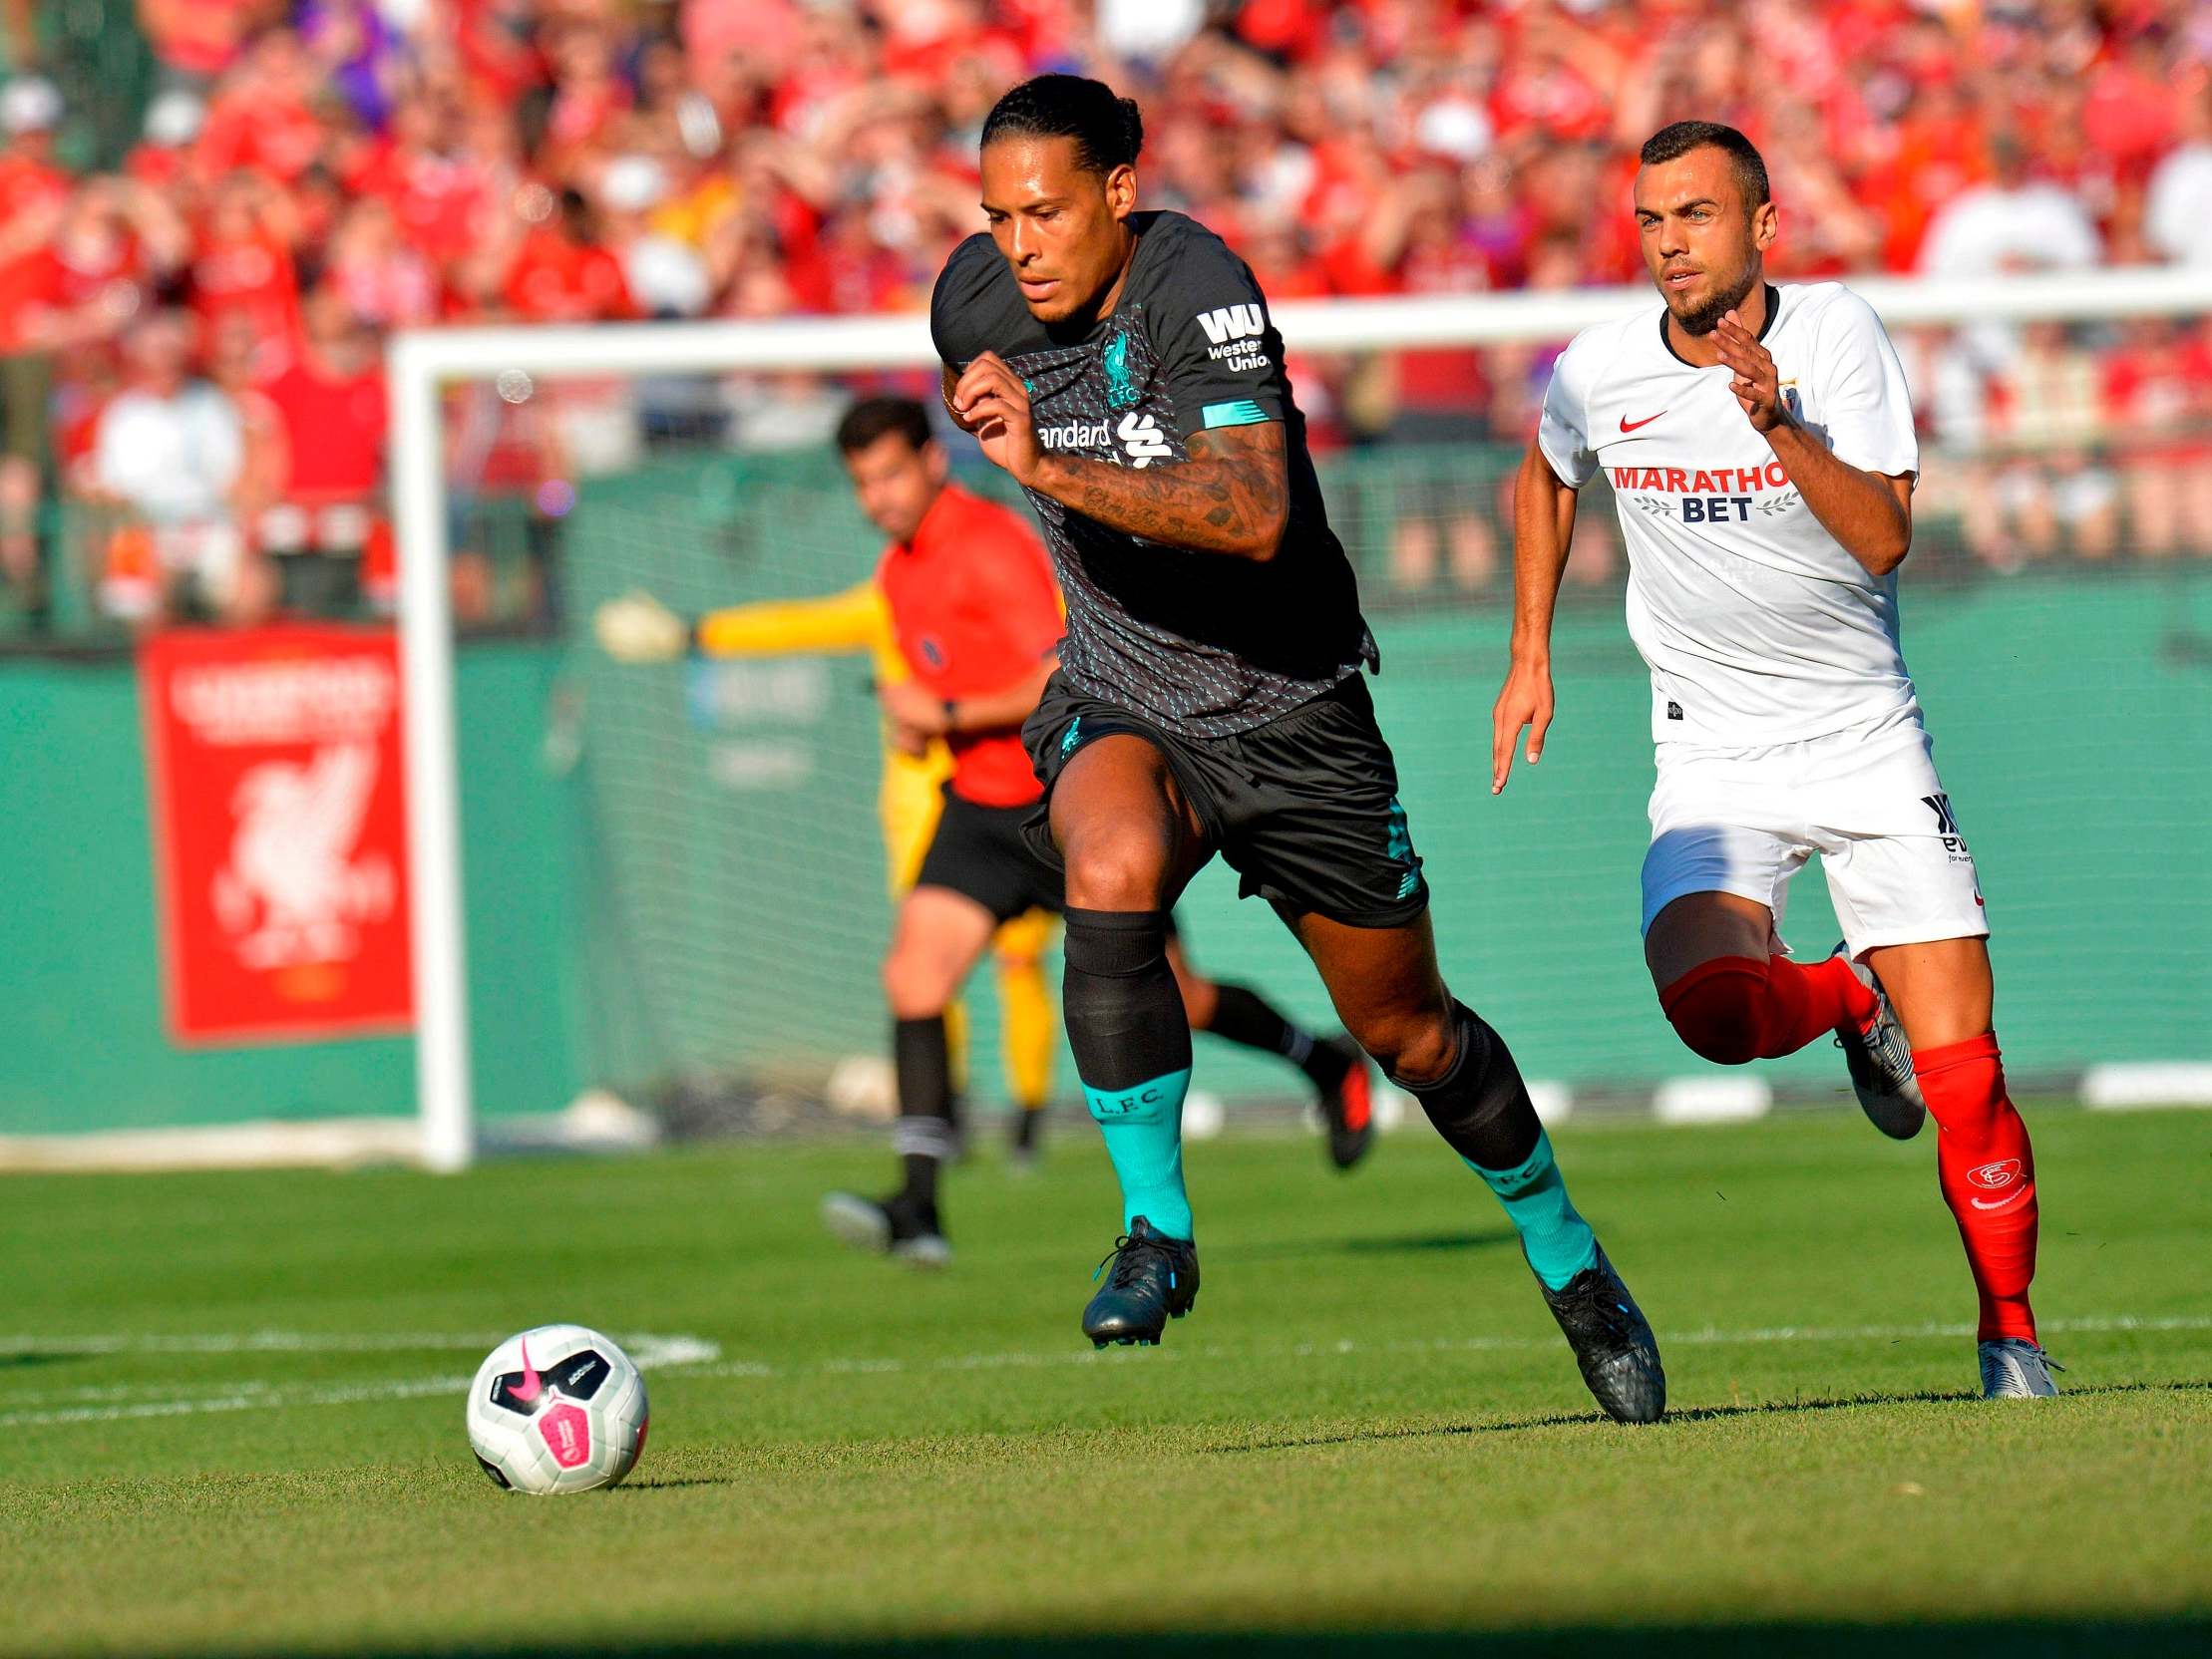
x,y
244,264
1147,32
2014,222
332,419
562,273
2042,486
197,40
2177,220
665,274
34,197
387,282
168,453
2159,388
164,159
268,115
360,52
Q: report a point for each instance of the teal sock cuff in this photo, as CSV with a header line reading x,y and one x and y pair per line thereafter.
x,y
1142,1127
1510,1183
1149,1101
1555,1237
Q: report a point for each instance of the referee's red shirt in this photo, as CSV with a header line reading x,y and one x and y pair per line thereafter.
x,y
974,608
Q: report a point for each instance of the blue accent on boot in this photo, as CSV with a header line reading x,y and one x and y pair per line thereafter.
x,y
1559,1241
1143,1127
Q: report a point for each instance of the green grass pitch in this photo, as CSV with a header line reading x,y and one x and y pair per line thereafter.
x,y
230,1411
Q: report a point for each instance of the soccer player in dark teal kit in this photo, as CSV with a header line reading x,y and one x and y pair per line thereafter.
x,y
1121,367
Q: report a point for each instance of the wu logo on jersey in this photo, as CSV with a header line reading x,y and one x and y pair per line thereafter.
x,y
1141,436
1233,322
1234,334
1947,822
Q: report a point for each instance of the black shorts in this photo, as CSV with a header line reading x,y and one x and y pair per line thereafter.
x,y
981,853
1304,809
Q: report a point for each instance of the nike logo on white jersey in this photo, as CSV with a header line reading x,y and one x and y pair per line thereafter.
x,y
1627,425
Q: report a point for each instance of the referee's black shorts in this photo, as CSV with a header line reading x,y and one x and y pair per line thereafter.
x,y
1304,808
981,853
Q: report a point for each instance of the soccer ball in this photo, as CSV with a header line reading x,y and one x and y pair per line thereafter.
x,y
556,1408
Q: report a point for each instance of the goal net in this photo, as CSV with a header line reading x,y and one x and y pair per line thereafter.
x,y
723,890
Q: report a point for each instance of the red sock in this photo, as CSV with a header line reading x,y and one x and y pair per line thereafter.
x,y
1805,1001
1718,1008
1988,1173
1734,1008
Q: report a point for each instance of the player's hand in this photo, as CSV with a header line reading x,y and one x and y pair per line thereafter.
x,y
914,708
1751,373
1525,701
638,628
990,401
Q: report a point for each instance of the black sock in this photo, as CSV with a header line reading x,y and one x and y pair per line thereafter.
x,y
1480,1106
1026,1123
1125,1019
924,1133
1242,1015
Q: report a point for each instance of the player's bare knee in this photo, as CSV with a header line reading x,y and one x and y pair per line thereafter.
x,y
1116,873
915,984
1417,1049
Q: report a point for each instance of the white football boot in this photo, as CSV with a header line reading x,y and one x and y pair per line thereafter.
x,y
1881,1062
2016,1370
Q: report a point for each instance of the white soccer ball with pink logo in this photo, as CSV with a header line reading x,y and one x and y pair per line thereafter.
x,y
556,1408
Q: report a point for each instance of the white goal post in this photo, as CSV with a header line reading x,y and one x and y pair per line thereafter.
x,y
420,364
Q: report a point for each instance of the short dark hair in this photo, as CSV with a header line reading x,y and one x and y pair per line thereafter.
x,y
1108,130
1673,143
874,418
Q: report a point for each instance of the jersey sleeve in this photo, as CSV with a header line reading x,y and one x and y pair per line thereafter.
x,y
1219,351
959,303
1864,401
1563,431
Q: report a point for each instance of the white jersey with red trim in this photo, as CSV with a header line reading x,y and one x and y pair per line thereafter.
x,y
1759,628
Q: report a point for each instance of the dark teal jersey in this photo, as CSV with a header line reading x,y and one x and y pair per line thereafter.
x,y
1204,644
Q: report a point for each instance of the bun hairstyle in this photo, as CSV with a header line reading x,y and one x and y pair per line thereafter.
x,y
1108,130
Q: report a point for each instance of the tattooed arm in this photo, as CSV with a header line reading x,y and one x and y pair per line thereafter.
x,y
1233,496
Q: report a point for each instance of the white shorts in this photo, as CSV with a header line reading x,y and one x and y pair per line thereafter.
x,y
1867,800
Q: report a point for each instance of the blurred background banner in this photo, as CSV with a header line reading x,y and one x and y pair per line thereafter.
x,y
279,831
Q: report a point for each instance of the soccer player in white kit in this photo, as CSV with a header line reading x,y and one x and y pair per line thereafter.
x,y
1759,441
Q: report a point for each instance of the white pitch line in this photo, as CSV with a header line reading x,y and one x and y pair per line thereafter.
x,y
126,1401
253,1395
645,1348
247,1342
245,1397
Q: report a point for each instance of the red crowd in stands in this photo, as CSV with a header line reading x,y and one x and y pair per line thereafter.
x,y
190,342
